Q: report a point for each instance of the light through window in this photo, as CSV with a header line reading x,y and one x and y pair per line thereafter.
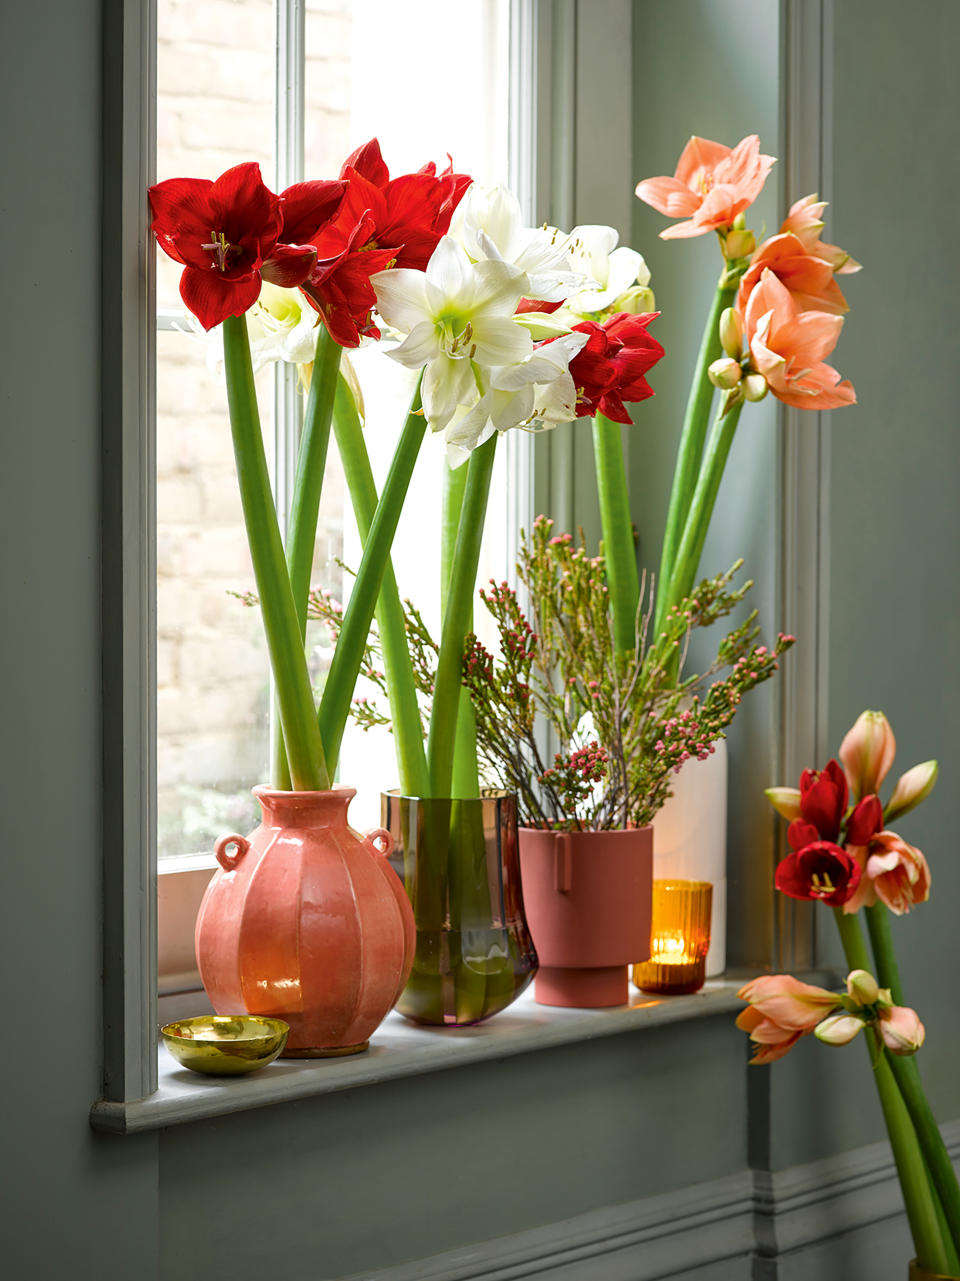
x,y
427,78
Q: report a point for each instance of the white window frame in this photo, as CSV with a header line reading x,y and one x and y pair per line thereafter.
x,y
129,487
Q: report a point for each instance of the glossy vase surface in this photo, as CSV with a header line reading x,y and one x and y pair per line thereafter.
x,y
690,840
306,921
921,1274
459,864
588,899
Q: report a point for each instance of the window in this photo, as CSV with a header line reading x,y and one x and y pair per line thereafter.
x,y
240,80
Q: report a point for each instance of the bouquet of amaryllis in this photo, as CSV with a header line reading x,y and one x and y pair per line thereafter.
x,y
489,321
844,853
329,239
775,317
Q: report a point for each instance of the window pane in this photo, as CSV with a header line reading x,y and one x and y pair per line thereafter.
x,y
427,78
212,686
215,87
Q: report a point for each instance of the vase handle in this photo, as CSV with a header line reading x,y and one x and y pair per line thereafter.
x,y
380,841
229,861
562,865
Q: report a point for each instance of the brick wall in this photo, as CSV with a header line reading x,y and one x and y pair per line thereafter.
x,y
215,109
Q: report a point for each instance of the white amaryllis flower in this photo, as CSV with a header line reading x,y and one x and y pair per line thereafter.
x,y
458,318
282,326
593,253
489,224
535,394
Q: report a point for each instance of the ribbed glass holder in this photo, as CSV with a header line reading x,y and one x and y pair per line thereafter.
x,y
679,938
460,866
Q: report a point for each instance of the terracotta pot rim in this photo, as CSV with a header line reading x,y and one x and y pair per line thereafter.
x,y
340,791
590,831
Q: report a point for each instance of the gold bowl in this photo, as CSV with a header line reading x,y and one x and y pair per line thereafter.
x,y
225,1044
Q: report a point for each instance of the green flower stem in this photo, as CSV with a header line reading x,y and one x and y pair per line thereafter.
x,y
305,507
456,618
308,767
881,940
401,687
907,1078
690,549
618,546
918,1198
905,1068
466,776
348,655
692,436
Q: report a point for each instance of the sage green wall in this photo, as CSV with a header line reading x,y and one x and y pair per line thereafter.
x,y
895,529
74,1204
689,79
894,598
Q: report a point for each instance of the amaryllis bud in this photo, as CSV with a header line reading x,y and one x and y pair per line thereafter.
x,y
635,301
867,752
862,987
838,1029
912,788
754,387
901,1029
739,244
725,372
731,332
785,800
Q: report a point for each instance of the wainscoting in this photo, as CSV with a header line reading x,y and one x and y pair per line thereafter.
x,y
833,1220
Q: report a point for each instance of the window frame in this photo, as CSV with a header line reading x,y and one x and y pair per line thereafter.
x,y
130,323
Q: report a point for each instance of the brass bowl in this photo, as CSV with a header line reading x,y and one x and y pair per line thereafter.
x,y
225,1044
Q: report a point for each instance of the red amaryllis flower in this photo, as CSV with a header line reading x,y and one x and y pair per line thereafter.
x,y
228,235
865,821
823,799
381,223
410,213
611,367
819,871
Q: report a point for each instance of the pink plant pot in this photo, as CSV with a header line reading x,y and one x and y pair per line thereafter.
x,y
307,922
587,897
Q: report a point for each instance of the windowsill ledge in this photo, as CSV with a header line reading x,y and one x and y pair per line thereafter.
x,y
400,1049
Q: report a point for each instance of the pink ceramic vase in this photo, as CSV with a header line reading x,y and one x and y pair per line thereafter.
x,y
587,897
307,922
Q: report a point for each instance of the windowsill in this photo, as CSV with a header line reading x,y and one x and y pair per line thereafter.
x,y
400,1049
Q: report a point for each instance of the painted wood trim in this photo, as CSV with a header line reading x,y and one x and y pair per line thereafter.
x,y
805,165
400,1049
752,1215
128,555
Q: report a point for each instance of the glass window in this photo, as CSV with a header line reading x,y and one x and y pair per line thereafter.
x,y
216,107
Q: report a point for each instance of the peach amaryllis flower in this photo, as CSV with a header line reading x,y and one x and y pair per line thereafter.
x,y
787,347
892,872
809,279
805,222
804,262
781,1010
711,186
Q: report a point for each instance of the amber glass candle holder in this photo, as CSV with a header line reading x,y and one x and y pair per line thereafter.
x,y
679,938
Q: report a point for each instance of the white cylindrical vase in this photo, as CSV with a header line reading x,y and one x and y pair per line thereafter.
x,y
690,840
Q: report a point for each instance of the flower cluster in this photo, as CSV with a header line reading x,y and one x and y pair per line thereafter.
x,y
789,308
625,721
574,776
842,853
327,237
782,1009
517,326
